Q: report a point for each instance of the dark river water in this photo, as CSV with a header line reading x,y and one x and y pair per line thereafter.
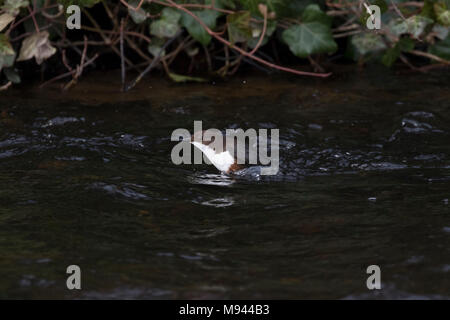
x,y
86,179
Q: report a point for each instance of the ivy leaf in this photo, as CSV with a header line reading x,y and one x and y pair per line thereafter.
x,y
5,46
442,14
239,26
13,6
414,25
368,42
12,75
5,19
168,25
181,78
7,53
392,54
313,35
155,47
313,13
38,46
441,49
138,16
309,38
195,29
440,32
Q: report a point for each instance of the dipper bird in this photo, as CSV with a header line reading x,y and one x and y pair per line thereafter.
x,y
221,159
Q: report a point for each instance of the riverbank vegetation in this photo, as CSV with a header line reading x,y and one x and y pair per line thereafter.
x,y
200,39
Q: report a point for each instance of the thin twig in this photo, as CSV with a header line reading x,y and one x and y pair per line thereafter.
x,y
398,10
132,8
151,65
105,38
6,86
79,69
263,9
122,60
64,75
430,56
32,13
52,16
26,18
316,66
208,59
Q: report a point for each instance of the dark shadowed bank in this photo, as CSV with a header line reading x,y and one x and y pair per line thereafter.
x,y
200,40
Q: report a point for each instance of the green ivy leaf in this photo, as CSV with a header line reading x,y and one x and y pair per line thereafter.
x,y
441,32
239,26
313,35
313,13
138,16
414,25
38,46
368,42
5,19
168,25
195,29
392,54
7,54
309,38
181,78
12,75
13,6
155,47
442,14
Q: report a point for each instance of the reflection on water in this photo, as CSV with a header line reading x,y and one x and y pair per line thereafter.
x,y
211,179
364,179
219,202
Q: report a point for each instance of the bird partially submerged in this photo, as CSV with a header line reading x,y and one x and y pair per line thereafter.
x,y
230,152
217,152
